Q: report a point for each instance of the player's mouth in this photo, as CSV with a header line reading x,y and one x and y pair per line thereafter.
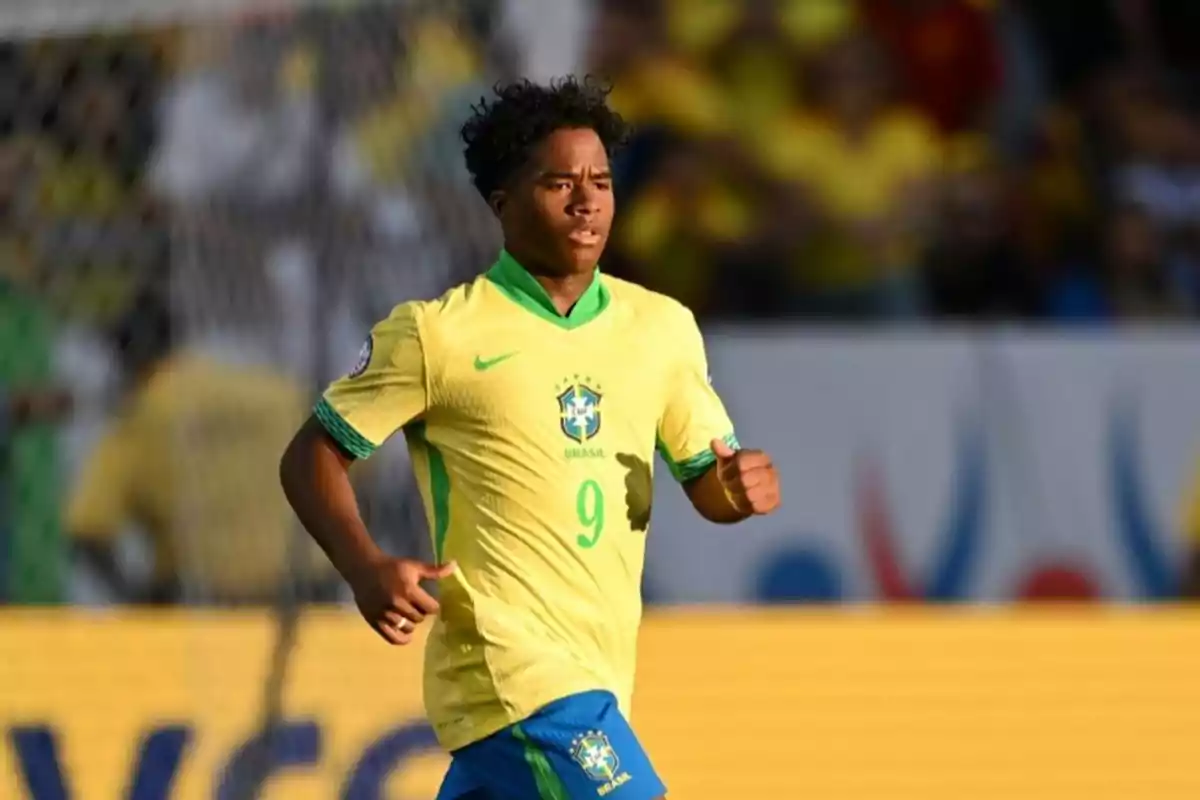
x,y
584,237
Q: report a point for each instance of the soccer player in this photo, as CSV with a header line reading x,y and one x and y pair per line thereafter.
x,y
532,400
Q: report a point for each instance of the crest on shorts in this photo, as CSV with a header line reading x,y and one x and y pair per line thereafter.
x,y
364,357
579,411
595,754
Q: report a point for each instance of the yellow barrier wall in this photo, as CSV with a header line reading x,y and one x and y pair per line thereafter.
x,y
1089,704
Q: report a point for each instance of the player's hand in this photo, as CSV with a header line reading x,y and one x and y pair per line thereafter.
x,y
389,595
748,477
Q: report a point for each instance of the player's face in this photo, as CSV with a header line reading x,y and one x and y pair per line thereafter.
x,y
559,211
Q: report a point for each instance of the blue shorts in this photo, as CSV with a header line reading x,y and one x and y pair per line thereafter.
x,y
574,748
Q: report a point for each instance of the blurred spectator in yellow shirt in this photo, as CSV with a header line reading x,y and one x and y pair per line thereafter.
x,y
654,83
872,172
190,459
709,67
677,231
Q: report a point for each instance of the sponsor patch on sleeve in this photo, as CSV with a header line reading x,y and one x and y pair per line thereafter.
x,y
364,357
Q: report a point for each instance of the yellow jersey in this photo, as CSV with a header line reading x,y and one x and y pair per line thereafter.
x,y
192,458
533,437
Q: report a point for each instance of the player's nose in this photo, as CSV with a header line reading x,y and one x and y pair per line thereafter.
x,y
584,202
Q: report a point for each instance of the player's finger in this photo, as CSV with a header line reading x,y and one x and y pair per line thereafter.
x,y
406,610
752,478
737,496
423,600
392,633
436,572
399,621
722,450
752,459
763,498
728,471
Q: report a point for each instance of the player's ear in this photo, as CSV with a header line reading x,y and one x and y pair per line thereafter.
x,y
497,201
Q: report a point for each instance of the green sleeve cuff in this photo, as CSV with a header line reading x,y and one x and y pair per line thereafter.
x,y
691,468
342,431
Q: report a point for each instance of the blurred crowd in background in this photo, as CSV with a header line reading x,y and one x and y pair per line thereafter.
x,y
230,203
910,158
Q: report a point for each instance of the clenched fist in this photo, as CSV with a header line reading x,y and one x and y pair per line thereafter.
x,y
388,593
748,478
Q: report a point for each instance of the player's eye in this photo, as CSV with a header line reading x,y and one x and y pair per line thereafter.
x,y
604,185
560,186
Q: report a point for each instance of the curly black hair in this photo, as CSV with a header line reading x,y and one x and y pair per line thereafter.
x,y
501,134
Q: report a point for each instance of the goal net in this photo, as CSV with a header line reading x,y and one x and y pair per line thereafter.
x,y
210,202
207,204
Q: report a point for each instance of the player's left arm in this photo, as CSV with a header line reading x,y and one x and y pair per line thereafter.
x,y
724,482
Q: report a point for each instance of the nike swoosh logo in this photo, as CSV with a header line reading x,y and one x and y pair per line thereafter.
x,y
482,365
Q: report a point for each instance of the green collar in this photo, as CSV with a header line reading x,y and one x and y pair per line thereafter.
x,y
524,290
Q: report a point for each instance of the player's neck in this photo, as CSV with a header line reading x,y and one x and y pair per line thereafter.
x,y
564,290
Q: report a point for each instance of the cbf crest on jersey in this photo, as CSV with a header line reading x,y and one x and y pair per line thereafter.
x,y
595,754
579,409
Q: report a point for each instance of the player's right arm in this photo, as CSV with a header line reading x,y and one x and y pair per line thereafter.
x,y
724,483
358,413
